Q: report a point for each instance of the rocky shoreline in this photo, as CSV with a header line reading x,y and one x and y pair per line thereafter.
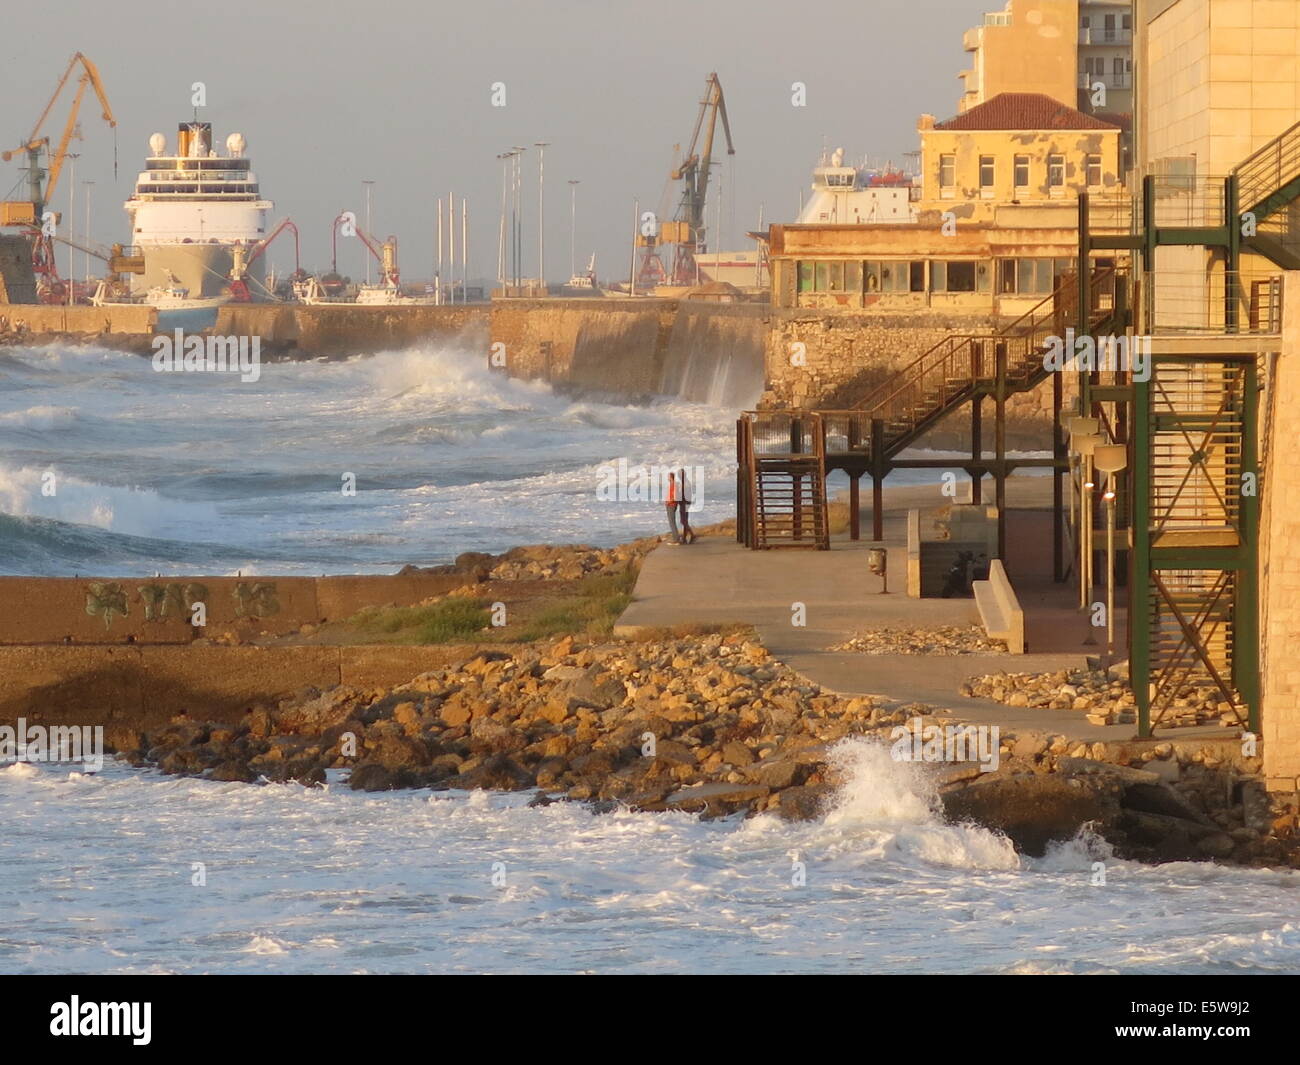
x,y
714,725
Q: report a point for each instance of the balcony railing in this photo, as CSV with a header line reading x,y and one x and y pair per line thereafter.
x,y
1101,35
1111,81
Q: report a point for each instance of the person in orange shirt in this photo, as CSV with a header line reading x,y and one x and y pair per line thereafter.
x,y
670,502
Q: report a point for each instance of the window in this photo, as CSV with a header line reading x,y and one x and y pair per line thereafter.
x,y
952,276
1026,277
1022,171
1056,171
986,175
893,276
806,277
947,175
1117,67
1094,171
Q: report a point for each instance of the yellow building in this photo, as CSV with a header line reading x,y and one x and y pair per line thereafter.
x,y
1029,46
1017,150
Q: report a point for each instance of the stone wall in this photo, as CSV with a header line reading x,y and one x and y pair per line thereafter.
x,y
716,353
38,320
615,346
845,355
348,329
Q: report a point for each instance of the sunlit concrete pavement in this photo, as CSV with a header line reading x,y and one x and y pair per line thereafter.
x,y
717,581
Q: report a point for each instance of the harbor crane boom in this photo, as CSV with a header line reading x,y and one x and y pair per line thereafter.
x,y
385,254
35,141
687,231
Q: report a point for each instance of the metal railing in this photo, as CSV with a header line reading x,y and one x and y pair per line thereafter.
x,y
1197,301
953,367
1270,168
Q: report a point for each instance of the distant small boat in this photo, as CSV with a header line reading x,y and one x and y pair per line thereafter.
x,y
585,284
389,296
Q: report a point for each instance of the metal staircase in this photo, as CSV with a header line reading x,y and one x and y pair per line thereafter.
x,y
1268,188
959,368
782,481
783,456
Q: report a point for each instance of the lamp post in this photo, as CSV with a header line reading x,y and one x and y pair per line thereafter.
x,y
87,185
541,216
573,225
518,237
1110,459
1080,429
505,158
367,184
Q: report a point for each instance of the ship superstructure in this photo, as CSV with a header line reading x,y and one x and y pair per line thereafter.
x,y
190,210
843,194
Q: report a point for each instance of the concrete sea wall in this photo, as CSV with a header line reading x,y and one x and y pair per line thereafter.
x,y
157,610
332,330
636,348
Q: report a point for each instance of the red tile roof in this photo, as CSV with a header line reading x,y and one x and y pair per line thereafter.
x,y
1024,110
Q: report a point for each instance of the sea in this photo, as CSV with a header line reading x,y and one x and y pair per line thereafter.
x,y
107,467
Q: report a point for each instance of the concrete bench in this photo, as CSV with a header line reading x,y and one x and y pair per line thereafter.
x,y
1000,609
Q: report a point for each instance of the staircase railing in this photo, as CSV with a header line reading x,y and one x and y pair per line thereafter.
x,y
952,368
1267,170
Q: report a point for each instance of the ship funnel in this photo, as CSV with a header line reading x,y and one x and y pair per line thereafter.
x,y
157,145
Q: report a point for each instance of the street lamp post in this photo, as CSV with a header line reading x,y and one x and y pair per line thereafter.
x,y
367,183
541,217
1110,459
518,228
87,185
573,225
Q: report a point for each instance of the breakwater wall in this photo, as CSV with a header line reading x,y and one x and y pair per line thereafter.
x,y
45,320
334,330
635,348
158,610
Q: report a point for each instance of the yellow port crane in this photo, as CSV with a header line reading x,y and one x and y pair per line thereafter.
x,y
35,206
687,230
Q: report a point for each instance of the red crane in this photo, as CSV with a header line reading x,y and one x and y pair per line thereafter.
x,y
239,291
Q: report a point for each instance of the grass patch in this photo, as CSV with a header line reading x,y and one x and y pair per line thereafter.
x,y
444,622
591,612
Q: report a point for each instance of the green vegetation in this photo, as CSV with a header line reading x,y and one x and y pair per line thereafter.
x,y
592,612
447,621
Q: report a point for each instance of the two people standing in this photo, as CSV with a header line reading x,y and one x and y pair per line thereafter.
x,y
676,503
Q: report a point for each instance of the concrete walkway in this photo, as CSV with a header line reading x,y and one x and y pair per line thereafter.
x,y
717,581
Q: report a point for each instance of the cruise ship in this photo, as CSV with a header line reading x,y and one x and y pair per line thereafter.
x,y
191,209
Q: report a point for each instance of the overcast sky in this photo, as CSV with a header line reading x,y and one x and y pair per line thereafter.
x,y
329,93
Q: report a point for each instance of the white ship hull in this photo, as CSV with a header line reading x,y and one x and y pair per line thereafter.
x,y
204,269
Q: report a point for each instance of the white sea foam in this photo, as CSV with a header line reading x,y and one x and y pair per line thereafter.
x,y
330,880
